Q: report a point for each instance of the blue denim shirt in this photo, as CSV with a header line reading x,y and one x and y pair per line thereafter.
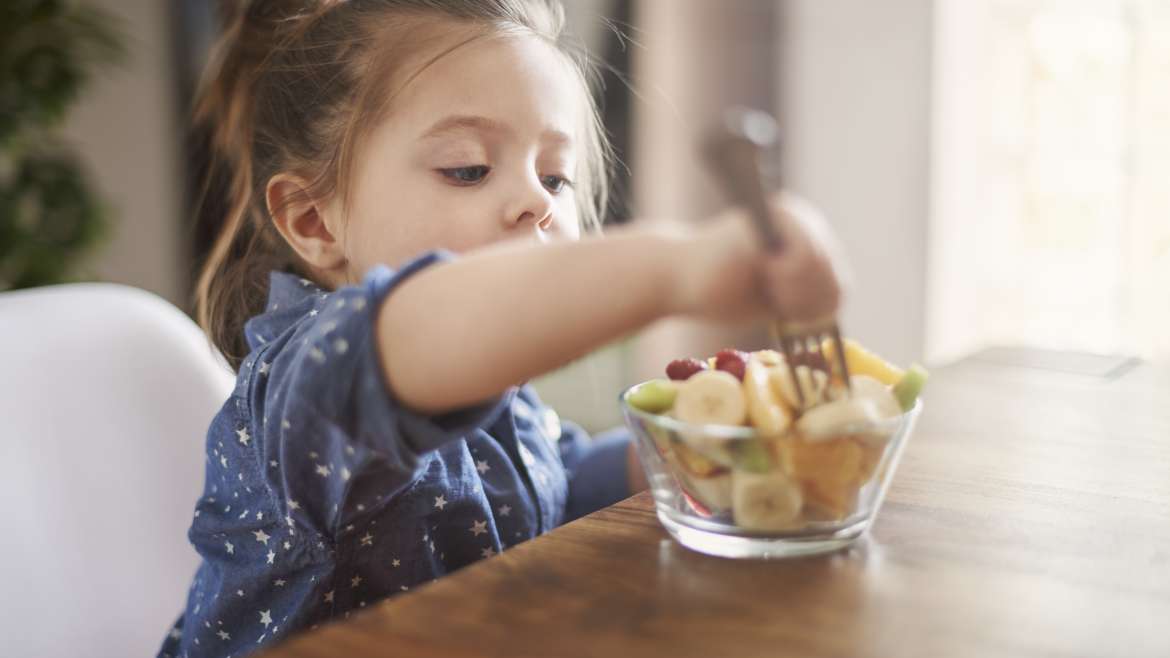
x,y
324,494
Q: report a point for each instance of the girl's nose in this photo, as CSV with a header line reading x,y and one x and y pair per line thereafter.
x,y
532,205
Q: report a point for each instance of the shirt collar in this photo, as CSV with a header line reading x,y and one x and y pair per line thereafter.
x,y
290,297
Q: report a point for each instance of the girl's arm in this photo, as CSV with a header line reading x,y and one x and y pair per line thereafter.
x,y
462,332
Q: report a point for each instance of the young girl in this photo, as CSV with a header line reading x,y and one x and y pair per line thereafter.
x,y
408,180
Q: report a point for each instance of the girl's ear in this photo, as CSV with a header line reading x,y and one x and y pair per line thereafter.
x,y
301,219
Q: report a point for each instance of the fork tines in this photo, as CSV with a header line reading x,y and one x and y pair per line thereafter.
x,y
804,348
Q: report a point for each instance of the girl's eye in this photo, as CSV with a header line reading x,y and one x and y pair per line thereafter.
x,y
555,183
466,175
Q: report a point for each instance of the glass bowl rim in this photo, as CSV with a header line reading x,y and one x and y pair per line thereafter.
x,y
730,432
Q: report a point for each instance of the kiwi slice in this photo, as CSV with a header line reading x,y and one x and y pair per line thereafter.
x,y
910,386
752,456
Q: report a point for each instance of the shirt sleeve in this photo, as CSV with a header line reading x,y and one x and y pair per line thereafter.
x,y
332,423
598,468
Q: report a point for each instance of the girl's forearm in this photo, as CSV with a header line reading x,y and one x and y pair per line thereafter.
x,y
459,333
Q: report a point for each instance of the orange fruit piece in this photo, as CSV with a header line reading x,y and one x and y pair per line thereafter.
x,y
835,500
871,456
831,463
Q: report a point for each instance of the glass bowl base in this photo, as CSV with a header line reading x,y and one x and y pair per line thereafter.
x,y
749,547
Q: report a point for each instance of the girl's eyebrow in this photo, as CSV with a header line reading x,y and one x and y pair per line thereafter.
x,y
459,122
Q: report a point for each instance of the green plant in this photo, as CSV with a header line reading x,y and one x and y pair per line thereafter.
x,y
49,215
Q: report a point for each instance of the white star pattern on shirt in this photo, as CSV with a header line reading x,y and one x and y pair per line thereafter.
x,y
340,345
284,424
294,505
478,528
505,510
482,467
440,502
368,540
313,313
263,369
243,436
316,354
261,536
224,635
240,593
176,633
266,617
345,474
271,557
231,549
329,596
323,470
487,552
287,545
396,562
355,581
223,461
279,582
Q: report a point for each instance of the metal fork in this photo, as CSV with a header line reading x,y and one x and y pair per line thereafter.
x,y
733,155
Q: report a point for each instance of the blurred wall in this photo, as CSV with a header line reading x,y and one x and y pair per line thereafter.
x,y
125,127
855,108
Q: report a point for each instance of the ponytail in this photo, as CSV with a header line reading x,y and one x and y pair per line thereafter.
x,y
232,283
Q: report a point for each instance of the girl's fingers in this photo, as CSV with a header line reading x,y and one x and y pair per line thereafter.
x,y
802,288
804,279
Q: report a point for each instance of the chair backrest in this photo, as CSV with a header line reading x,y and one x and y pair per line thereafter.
x,y
106,394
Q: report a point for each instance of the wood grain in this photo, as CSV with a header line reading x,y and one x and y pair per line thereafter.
x,y
1030,517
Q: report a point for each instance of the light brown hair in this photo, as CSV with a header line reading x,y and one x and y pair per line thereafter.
x,y
275,54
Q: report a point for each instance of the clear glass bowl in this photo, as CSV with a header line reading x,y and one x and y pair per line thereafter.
x,y
725,490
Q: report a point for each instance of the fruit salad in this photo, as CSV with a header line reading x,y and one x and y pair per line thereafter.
x,y
746,447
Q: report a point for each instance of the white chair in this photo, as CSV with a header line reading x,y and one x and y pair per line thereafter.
x,y
106,393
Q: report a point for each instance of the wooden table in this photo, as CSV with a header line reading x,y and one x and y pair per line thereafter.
x,y
1030,517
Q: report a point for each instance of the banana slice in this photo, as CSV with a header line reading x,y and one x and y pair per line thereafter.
x,y
868,387
769,415
813,383
714,448
711,397
764,501
696,463
853,415
714,491
768,357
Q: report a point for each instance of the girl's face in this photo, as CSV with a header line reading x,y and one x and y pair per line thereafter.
x,y
480,147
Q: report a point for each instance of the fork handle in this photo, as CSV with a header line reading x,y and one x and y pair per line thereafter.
x,y
733,154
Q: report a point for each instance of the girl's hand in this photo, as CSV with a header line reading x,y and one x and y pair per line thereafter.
x,y
730,276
